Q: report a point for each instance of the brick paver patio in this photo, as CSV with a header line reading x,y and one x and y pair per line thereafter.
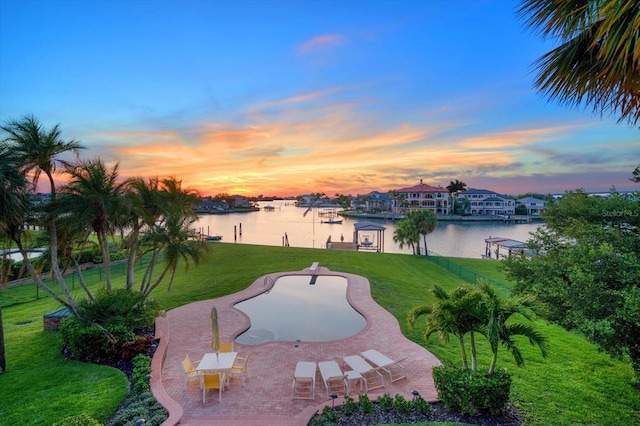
x,y
266,398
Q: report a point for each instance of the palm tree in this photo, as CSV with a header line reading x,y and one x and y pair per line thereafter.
x,y
454,188
13,203
450,313
38,150
598,60
425,222
406,234
496,311
173,235
91,198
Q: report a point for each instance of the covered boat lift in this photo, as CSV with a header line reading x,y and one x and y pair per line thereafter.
x,y
500,246
369,236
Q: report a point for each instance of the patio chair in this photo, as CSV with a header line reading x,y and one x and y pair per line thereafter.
x,y
190,373
226,347
304,381
239,368
335,381
212,381
393,368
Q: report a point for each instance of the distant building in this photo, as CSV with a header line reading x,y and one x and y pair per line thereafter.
x,y
373,201
485,202
240,201
208,206
423,196
535,206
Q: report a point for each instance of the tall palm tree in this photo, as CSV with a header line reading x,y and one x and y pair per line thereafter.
x,y
454,188
406,234
598,59
145,208
172,235
425,222
13,204
91,198
496,312
39,150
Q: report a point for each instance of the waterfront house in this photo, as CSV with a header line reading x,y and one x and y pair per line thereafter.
x,y
208,206
374,201
535,206
423,196
485,202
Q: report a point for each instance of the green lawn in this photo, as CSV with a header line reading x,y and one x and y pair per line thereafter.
x,y
575,385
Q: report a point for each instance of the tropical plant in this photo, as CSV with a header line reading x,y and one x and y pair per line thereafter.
x,y
39,150
425,222
598,60
494,311
406,234
450,313
454,188
89,202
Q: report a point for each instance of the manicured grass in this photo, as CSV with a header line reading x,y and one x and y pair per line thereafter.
x,y
576,384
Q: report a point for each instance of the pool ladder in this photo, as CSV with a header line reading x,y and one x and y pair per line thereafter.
x,y
268,281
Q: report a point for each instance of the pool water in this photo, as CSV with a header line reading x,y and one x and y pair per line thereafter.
x,y
308,308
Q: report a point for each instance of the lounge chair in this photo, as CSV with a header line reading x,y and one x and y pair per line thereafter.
x,y
371,376
190,373
393,368
304,381
335,381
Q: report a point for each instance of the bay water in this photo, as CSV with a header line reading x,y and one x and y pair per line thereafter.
x,y
288,223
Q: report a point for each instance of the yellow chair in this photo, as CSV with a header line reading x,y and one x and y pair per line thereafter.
x,y
239,368
212,381
190,373
226,347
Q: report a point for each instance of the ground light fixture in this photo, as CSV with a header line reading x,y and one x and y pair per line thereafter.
x,y
333,398
415,393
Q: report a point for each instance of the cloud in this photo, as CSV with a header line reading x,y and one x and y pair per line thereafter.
x,y
321,42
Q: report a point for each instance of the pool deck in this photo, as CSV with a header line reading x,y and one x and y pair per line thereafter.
x,y
266,397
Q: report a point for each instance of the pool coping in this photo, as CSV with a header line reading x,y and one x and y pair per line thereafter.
x,y
266,398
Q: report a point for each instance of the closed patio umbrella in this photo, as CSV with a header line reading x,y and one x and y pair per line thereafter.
x,y
215,341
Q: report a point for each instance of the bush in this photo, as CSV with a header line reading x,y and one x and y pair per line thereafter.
x,y
140,404
79,420
121,306
470,392
94,342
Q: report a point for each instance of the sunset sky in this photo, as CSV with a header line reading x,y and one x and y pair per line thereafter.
x,y
291,97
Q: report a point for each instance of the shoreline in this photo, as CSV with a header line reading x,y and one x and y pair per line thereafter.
x,y
445,218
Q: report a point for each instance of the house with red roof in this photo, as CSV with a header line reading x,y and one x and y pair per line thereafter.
x,y
422,196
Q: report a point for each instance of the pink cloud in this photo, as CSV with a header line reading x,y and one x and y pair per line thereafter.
x,y
320,42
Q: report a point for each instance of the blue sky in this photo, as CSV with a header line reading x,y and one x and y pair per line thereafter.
x,y
288,97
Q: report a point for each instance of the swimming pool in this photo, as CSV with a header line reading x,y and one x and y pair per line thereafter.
x,y
309,308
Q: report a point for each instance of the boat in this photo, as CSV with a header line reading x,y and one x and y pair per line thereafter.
x,y
366,242
332,217
213,237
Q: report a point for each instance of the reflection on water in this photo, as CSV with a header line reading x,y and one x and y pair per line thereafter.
x,y
457,239
296,309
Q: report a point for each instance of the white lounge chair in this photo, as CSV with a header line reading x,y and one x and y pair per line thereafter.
x,y
304,381
371,376
393,368
335,381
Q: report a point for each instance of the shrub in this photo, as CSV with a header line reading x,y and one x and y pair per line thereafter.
x,y
471,392
120,306
401,404
349,407
329,417
94,342
79,420
386,402
422,406
140,404
366,406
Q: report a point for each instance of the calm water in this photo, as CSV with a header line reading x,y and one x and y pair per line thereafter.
x,y
269,228
320,311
